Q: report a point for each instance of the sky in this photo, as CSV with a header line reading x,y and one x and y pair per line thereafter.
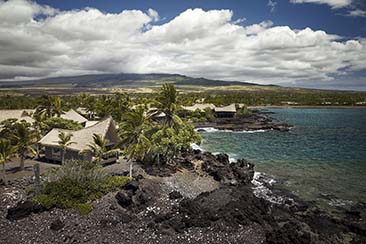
x,y
305,43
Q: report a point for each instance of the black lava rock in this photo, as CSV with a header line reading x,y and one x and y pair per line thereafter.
x,y
175,195
132,185
20,211
124,199
57,225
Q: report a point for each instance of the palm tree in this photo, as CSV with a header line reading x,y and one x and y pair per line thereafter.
x,y
50,106
88,103
166,102
45,107
57,107
23,139
7,151
37,126
64,142
132,133
99,148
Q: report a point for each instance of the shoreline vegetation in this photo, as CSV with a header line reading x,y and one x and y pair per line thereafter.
x,y
136,179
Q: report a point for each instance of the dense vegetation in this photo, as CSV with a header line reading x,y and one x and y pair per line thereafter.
x,y
105,104
150,132
76,184
279,97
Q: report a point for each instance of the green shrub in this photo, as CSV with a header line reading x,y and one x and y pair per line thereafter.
x,y
114,183
243,112
76,184
46,201
84,208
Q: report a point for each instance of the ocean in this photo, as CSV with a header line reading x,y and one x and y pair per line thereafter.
x,y
322,159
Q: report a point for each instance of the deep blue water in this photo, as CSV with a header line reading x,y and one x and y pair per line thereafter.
x,y
325,153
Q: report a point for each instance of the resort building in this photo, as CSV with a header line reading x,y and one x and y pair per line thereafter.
x,y
225,112
18,114
81,140
200,107
26,115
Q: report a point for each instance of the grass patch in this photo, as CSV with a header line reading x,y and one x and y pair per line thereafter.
x,y
76,185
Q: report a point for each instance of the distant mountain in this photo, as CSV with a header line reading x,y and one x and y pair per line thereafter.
x,y
119,80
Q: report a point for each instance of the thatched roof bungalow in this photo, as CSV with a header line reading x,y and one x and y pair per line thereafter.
x,y
81,140
225,112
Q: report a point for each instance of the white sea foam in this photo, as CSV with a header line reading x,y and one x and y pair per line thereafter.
x,y
260,181
340,203
213,130
260,190
194,146
207,129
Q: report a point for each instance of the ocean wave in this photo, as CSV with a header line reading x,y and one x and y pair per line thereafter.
x,y
340,203
213,130
261,188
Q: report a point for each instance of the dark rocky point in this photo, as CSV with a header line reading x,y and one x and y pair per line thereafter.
x,y
256,121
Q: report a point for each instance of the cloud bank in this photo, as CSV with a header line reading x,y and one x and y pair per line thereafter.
x,y
39,41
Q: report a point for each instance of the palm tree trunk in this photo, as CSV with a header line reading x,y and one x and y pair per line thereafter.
x,y
4,172
38,153
62,157
131,165
22,162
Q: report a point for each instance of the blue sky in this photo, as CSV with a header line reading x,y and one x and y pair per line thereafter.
x,y
307,43
299,16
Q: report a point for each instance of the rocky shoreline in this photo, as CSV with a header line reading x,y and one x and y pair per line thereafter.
x,y
256,121
202,199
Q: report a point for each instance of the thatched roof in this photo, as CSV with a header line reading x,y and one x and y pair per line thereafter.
x,y
19,114
227,109
199,107
81,138
73,115
91,123
82,110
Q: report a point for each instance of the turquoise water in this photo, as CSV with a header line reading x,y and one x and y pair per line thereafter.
x,y
324,154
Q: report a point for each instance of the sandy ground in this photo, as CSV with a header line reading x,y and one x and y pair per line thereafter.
x,y
13,172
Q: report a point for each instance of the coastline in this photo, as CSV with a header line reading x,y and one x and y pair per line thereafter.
x,y
203,199
306,106
303,161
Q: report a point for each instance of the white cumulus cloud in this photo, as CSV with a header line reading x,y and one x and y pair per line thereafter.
x,y
196,43
357,13
332,3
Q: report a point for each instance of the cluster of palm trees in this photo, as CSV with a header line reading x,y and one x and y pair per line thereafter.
x,y
149,132
156,134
